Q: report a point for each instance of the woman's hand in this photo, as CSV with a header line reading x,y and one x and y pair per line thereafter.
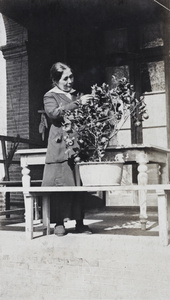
x,y
85,99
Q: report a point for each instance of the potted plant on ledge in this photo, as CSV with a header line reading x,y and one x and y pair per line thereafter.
x,y
97,124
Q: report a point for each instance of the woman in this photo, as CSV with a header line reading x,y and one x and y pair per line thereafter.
x,y
59,166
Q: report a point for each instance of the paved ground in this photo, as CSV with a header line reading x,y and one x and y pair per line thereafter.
x,y
119,261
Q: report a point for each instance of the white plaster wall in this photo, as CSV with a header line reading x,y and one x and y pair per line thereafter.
x,y
155,128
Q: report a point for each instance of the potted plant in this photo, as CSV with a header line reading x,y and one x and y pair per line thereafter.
x,y
99,122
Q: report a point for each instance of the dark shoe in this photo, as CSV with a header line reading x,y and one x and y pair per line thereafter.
x,y
83,229
59,230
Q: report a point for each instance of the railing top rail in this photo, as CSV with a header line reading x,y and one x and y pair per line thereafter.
x,y
51,189
19,139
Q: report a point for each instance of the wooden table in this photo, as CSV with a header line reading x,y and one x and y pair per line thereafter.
x,y
134,154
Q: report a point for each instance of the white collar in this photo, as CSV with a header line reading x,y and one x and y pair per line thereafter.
x,y
58,91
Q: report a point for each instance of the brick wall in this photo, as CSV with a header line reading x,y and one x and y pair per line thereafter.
x,y
15,54
17,79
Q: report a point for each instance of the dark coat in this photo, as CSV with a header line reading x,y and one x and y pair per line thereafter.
x,y
55,104
58,170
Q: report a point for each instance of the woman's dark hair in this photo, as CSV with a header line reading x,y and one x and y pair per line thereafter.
x,y
57,70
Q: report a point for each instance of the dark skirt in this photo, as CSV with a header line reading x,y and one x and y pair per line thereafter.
x,y
64,205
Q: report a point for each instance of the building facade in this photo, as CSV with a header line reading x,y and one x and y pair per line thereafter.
x,y
97,39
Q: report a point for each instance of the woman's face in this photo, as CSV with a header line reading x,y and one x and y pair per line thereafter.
x,y
66,81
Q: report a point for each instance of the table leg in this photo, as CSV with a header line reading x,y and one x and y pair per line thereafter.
x,y
26,182
163,217
36,209
46,212
142,180
26,179
164,173
29,201
168,203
